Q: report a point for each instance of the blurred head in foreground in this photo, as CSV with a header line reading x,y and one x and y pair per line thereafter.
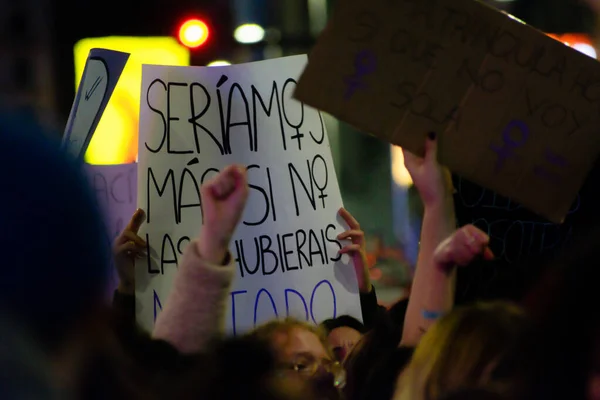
x,y
461,350
559,357
301,352
238,368
54,258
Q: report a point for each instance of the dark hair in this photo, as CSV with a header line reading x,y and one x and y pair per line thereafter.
x,y
52,238
554,358
235,368
375,362
474,394
343,321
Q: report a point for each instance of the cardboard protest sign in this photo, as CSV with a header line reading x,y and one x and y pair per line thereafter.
x,y
515,110
100,76
194,121
115,187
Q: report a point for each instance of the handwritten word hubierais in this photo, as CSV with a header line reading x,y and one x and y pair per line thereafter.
x,y
255,106
286,252
262,254
315,301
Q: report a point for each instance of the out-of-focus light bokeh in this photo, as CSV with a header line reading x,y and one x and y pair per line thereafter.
x,y
116,138
513,17
193,33
249,33
218,63
400,174
578,41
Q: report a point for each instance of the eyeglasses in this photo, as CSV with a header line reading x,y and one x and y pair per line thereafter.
x,y
308,367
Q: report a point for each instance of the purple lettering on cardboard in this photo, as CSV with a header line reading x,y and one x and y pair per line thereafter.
x,y
507,151
365,63
552,159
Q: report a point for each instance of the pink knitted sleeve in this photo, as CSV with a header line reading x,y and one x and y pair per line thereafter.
x,y
195,309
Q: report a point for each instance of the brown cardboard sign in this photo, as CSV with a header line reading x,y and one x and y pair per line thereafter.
x,y
516,111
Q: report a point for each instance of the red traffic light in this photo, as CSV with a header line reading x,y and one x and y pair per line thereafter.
x,y
193,33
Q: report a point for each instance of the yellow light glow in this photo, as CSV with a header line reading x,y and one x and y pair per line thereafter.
x,y
218,63
400,174
116,138
193,33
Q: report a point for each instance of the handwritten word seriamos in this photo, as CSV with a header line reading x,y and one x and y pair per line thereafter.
x,y
262,254
263,115
307,182
313,302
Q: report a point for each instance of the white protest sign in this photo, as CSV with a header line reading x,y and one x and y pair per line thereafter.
x,y
115,189
194,121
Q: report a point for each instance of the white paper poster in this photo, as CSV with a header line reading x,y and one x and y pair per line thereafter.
x,y
115,189
194,121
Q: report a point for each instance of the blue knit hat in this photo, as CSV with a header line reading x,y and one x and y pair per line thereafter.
x,y
53,256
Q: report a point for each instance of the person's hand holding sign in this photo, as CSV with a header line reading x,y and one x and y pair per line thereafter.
x,y
223,201
127,247
433,181
357,250
433,288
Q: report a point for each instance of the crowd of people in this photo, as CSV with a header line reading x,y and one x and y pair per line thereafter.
x,y
60,340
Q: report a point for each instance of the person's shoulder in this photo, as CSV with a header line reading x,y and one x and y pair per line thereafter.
x,y
25,369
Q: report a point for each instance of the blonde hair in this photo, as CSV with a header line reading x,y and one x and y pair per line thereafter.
x,y
460,350
267,331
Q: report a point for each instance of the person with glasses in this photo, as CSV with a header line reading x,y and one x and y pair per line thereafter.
x,y
302,352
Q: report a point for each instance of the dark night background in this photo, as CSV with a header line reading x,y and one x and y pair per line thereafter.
x,y
370,197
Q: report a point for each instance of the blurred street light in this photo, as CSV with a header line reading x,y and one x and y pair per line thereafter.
x,y
218,63
249,33
193,33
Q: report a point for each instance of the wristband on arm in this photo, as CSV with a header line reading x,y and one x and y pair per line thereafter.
x,y
431,315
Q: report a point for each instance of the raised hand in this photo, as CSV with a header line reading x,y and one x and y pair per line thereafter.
x,y
357,249
223,201
462,247
127,247
433,181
